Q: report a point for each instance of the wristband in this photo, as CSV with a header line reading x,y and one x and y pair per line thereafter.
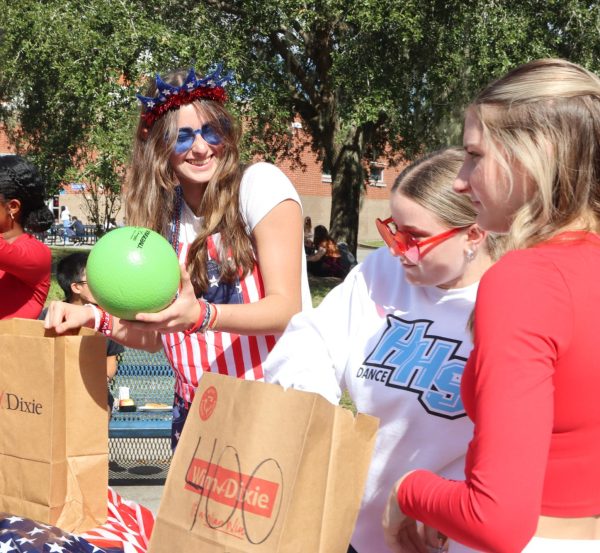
x,y
106,323
96,315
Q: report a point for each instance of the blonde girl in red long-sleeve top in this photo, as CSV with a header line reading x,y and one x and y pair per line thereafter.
x,y
531,384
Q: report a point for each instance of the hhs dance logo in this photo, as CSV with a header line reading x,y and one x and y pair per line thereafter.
x,y
409,358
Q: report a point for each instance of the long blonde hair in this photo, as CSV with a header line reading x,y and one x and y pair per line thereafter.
x,y
428,182
151,183
545,117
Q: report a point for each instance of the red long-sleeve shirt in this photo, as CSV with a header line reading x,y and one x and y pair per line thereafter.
x,y
25,267
531,386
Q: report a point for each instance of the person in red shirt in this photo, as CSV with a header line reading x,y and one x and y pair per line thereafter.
x,y
25,262
532,481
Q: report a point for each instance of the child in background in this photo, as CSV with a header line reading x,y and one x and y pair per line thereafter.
x,y
326,261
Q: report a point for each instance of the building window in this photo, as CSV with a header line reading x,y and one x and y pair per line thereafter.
x,y
325,172
376,176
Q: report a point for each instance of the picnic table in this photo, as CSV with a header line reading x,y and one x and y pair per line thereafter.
x,y
140,440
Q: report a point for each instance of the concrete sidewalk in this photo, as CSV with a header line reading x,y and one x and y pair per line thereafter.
x,y
148,496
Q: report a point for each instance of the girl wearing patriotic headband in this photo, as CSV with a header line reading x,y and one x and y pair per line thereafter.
x,y
237,231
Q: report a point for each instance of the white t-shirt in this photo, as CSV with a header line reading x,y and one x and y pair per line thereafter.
x,y
263,187
400,351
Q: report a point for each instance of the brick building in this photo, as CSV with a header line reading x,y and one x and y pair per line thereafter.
x,y
314,188
5,146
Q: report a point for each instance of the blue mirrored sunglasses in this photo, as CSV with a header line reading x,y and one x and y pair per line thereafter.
x,y
186,137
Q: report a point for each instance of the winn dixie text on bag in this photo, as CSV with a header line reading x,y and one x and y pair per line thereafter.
x,y
263,469
53,425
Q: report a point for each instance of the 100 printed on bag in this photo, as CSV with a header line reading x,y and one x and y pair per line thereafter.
x,y
261,469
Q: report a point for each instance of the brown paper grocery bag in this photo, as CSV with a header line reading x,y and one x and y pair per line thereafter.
x,y
260,468
53,425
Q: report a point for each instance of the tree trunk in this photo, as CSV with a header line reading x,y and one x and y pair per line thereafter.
x,y
343,151
347,178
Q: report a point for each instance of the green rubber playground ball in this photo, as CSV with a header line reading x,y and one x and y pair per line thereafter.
x,y
133,270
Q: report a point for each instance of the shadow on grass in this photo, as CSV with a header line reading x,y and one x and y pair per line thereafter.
x,y
320,287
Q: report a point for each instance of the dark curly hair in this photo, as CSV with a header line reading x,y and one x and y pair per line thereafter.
x,y
20,180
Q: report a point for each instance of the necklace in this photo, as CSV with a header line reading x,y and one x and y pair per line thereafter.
x,y
176,224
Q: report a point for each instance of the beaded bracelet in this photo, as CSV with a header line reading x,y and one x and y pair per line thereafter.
x,y
203,318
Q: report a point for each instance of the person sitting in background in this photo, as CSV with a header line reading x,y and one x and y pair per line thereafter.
x,y
72,279
78,228
25,262
327,259
308,236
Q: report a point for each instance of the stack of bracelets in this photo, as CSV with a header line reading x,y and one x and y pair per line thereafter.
x,y
103,321
206,320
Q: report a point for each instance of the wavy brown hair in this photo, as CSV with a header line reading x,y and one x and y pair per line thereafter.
x,y
545,116
151,183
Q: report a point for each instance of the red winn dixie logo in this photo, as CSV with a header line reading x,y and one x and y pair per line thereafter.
x,y
208,402
13,402
230,487
238,498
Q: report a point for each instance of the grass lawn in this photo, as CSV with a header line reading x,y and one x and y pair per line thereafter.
x,y
320,287
373,243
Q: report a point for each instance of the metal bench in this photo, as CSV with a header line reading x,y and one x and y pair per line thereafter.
x,y
140,441
55,235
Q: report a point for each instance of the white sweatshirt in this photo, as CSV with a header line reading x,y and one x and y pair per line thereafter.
x,y
399,350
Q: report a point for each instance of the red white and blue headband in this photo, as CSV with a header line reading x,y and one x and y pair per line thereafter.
x,y
171,97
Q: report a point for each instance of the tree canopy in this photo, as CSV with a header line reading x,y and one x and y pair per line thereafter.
x,y
367,77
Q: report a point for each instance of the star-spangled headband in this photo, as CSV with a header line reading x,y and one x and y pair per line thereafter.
x,y
173,97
